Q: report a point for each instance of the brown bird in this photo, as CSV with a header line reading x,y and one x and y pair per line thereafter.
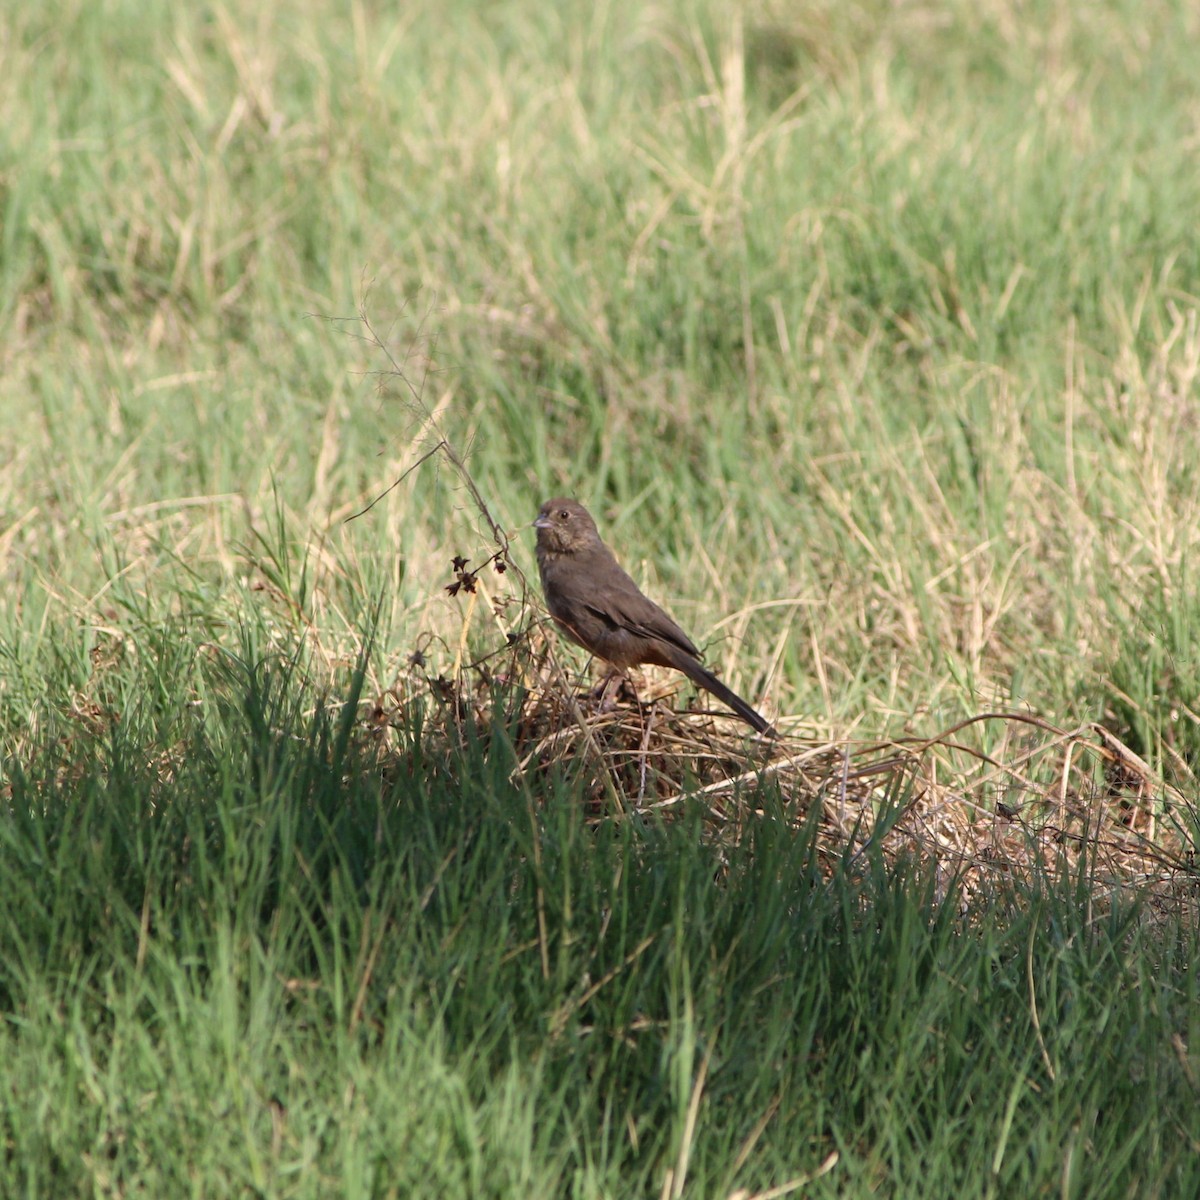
x,y
598,606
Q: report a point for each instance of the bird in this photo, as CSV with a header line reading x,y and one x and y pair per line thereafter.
x,y
599,607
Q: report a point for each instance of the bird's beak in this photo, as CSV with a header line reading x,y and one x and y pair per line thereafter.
x,y
542,522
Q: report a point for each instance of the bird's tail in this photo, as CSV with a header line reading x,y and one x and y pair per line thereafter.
x,y
703,677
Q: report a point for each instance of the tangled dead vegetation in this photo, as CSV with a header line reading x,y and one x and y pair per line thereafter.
x,y
1040,799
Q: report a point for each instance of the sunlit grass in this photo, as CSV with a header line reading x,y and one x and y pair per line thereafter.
x,y
869,332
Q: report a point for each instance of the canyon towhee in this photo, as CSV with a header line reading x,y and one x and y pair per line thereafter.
x,y
598,606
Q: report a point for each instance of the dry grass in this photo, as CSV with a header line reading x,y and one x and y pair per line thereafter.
x,y
1043,800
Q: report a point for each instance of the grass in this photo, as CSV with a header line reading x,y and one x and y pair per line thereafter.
x,y
274,969
870,334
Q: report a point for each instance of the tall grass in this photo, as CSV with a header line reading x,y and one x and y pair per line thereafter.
x,y
255,962
870,334
883,316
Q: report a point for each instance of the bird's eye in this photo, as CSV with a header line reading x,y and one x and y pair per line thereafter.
x,y
564,514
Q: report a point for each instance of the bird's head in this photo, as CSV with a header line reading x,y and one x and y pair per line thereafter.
x,y
565,527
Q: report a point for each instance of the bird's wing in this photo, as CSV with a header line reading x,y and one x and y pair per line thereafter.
x,y
621,605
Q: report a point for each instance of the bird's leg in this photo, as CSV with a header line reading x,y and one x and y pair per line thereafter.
x,y
604,694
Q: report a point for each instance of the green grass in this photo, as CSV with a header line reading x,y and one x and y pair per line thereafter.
x,y
271,968
884,316
870,334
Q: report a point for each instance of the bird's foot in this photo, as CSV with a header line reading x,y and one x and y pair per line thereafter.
x,y
613,686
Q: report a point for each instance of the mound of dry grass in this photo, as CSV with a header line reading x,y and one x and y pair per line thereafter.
x,y
1043,799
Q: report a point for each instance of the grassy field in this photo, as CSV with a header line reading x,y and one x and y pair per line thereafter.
x,y
870,333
